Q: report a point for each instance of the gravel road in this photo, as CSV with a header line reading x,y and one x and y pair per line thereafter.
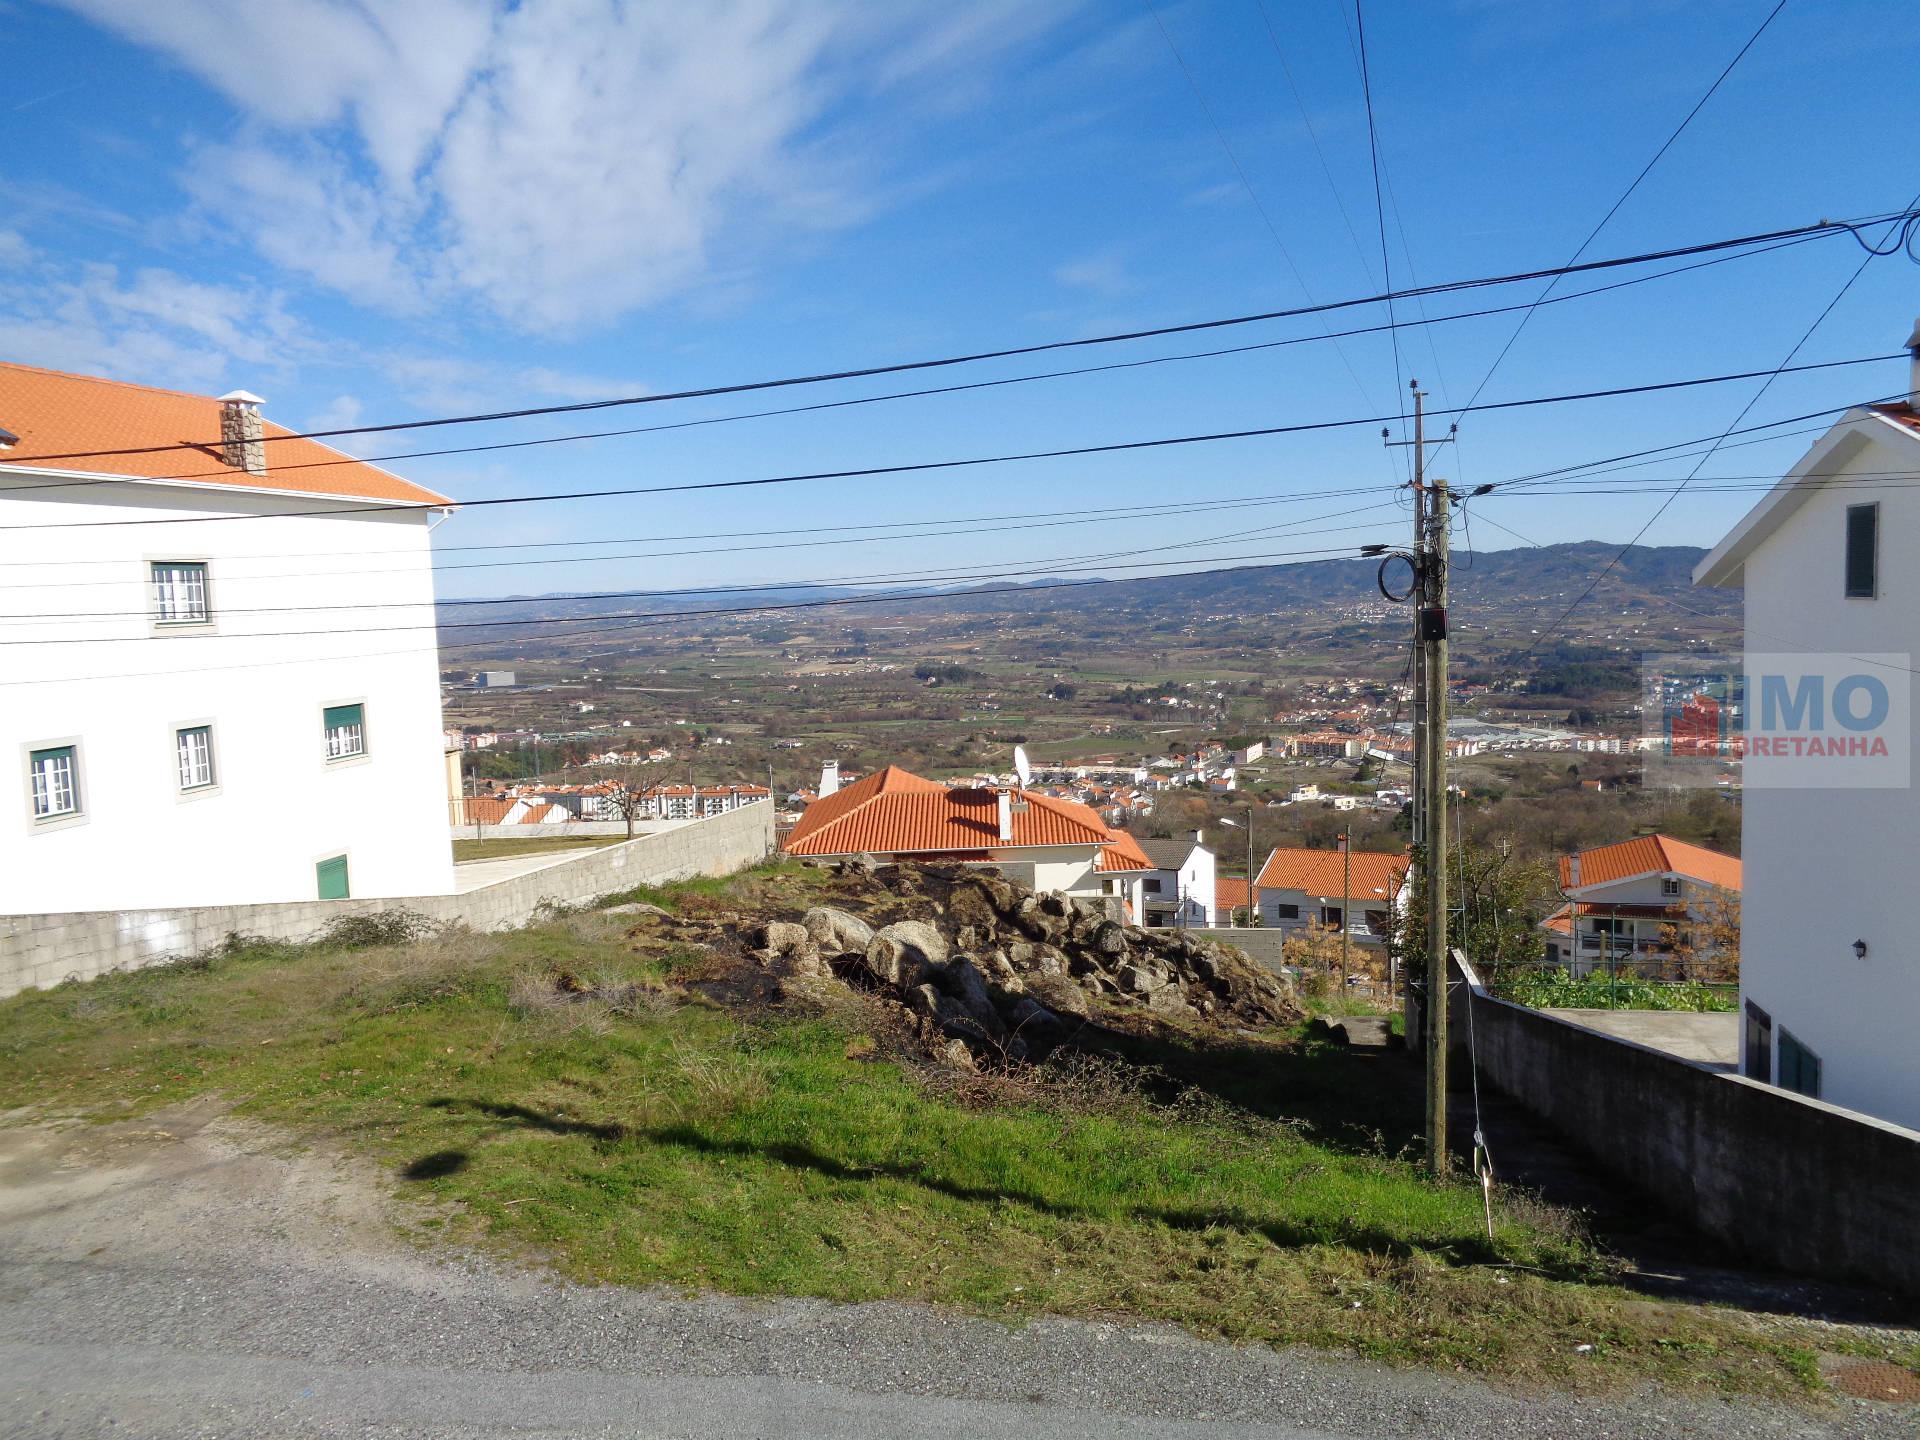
x,y
189,1275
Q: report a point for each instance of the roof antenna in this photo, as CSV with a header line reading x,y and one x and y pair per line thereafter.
x,y
1020,766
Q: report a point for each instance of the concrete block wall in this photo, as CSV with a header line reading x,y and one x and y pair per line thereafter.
x,y
1261,945
1791,1182
37,951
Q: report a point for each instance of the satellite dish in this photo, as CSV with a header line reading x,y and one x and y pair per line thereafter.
x,y
1021,767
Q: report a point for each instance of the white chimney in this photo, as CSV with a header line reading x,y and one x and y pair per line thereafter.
x,y
1004,807
240,432
829,778
1913,367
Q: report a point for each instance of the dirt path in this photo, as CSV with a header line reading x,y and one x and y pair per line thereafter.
x,y
190,1274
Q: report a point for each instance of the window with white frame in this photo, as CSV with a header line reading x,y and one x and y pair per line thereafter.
x,y
180,592
1669,886
193,747
54,774
346,731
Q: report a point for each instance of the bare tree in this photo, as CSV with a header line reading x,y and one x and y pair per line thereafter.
x,y
628,795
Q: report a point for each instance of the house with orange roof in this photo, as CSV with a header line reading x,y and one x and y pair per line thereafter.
x,y
1829,983
223,684
1357,893
1044,842
1625,901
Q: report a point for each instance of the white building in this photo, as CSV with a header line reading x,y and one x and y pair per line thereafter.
x,y
1180,891
1829,977
1356,892
1626,903
190,717
1041,841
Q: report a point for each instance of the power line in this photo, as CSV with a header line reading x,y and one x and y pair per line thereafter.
x,y
81,479
1380,209
1247,185
1626,194
669,616
921,467
1765,384
1036,520
937,574
1821,228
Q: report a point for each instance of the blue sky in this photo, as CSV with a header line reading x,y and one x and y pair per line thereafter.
x,y
459,206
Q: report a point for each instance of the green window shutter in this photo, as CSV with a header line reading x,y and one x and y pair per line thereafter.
x,y
332,878
336,716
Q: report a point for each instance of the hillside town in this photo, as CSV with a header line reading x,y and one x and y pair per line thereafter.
x,y
729,722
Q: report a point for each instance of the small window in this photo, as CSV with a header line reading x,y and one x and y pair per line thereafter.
x,y
180,592
1863,551
1758,1051
1153,884
1287,912
193,747
346,730
55,776
1799,1066
330,876
1669,886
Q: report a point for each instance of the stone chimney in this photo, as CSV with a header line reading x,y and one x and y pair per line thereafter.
x,y
1004,807
240,432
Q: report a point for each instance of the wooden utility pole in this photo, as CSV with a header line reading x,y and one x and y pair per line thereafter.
x,y
1419,730
1346,904
1433,743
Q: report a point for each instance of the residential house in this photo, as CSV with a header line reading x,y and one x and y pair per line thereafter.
x,y
1628,903
191,717
1300,887
1233,899
1829,982
1179,892
1045,843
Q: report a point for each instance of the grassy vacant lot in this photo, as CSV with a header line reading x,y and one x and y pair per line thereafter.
x,y
657,1135
528,845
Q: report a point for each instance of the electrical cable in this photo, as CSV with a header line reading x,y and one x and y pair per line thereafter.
x,y
921,467
1627,194
1820,229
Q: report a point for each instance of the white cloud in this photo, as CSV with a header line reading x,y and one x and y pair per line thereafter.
x,y
14,250
562,161
154,327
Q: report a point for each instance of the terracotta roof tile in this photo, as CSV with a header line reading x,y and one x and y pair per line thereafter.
x,y
1650,855
895,812
1123,856
54,413
1230,892
1324,872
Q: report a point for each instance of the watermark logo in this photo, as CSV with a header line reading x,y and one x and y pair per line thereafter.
x,y
1813,721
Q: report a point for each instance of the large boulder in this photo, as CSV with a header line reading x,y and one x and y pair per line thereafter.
x,y
1140,979
901,953
836,932
783,937
1030,957
1060,995
1109,937
961,980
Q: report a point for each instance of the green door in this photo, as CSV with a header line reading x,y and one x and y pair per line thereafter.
x,y
332,875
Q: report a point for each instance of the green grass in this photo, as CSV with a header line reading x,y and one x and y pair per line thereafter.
x,y
1247,1190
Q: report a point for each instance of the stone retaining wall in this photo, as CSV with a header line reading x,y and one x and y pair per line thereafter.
x,y
37,951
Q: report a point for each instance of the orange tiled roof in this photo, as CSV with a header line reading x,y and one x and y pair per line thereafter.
x,y
895,812
484,810
1122,856
58,414
1651,855
1230,892
1324,872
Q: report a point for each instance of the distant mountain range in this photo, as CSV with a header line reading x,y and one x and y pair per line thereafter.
x,y
1491,589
